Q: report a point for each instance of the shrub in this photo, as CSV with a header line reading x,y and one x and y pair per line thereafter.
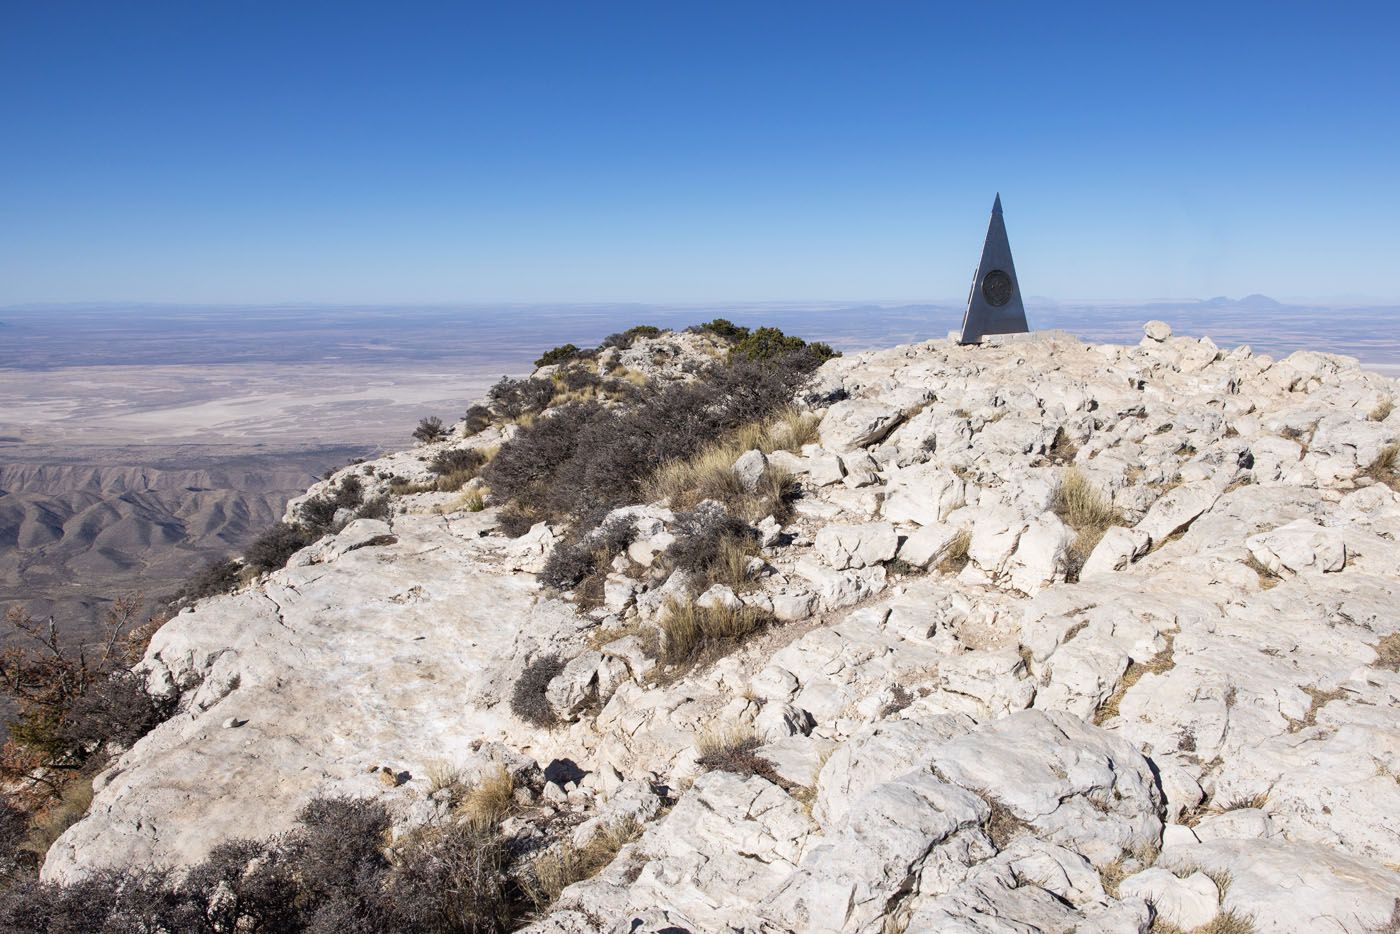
x,y
772,343
527,700
576,378
455,467
587,460
723,328
330,874
273,548
430,429
559,354
215,578
733,750
377,508
514,398
476,419
627,338
707,538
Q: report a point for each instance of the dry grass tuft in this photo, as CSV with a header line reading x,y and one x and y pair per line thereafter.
x,y
709,474
956,559
732,749
486,803
1267,578
1163,661
444,776
1388,652
1001,826
1084,508
566,863
691,634
1383,409
1383,468
1112,875
1245,802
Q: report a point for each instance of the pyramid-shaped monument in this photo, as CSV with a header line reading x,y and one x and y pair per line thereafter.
x,y
994,305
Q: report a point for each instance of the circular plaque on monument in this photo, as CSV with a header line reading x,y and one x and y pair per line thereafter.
x,y
996,288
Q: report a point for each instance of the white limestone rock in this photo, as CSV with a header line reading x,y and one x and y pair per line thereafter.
x,y
1157,331
1299,547
1118,548
855,423
857,546
923,494
749,469
1187,902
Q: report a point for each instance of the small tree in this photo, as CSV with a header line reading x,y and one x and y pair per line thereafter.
x,y
430,429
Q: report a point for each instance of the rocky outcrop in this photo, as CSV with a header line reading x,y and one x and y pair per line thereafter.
x,y
974,713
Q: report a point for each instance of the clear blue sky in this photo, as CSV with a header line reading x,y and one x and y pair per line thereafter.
x,y
669,151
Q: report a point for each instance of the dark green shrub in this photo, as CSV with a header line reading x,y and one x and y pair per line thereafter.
x,y
430,429
477,419
723,328
559,354
272,549
214,578
772,343
627,338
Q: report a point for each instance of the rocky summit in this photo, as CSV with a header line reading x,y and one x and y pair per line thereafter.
x,y
1051,636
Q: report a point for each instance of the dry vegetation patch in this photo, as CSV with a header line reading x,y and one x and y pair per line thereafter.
x,y
1384,468
1083,507
565,863
693,634
1160,663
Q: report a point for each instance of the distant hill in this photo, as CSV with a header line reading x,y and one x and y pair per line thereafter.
x,y
1249,301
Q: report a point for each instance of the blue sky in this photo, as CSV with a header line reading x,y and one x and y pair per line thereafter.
x,y
669,151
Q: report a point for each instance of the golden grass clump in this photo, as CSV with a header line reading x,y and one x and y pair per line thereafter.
x,y
1384,468
690,632
1388,652
566,863
956,557
709,474
1383,409
486,803
1084,508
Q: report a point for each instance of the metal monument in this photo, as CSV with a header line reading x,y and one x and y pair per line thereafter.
x,y
994,306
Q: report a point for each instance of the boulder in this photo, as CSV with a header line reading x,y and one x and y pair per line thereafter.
x,y
749,469
923,494
1118,548
1157,331
930,544
1298,547
1176,509
1188,902
857,546
855,423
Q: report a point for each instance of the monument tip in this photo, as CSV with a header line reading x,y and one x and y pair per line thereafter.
x,y
996,205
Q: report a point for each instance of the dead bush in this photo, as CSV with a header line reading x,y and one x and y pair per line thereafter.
x,y
527,700
733,749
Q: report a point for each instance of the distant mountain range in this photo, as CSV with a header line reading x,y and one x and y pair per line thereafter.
x,y
1249,301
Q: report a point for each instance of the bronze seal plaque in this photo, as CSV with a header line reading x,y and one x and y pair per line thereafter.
x,y
996,288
